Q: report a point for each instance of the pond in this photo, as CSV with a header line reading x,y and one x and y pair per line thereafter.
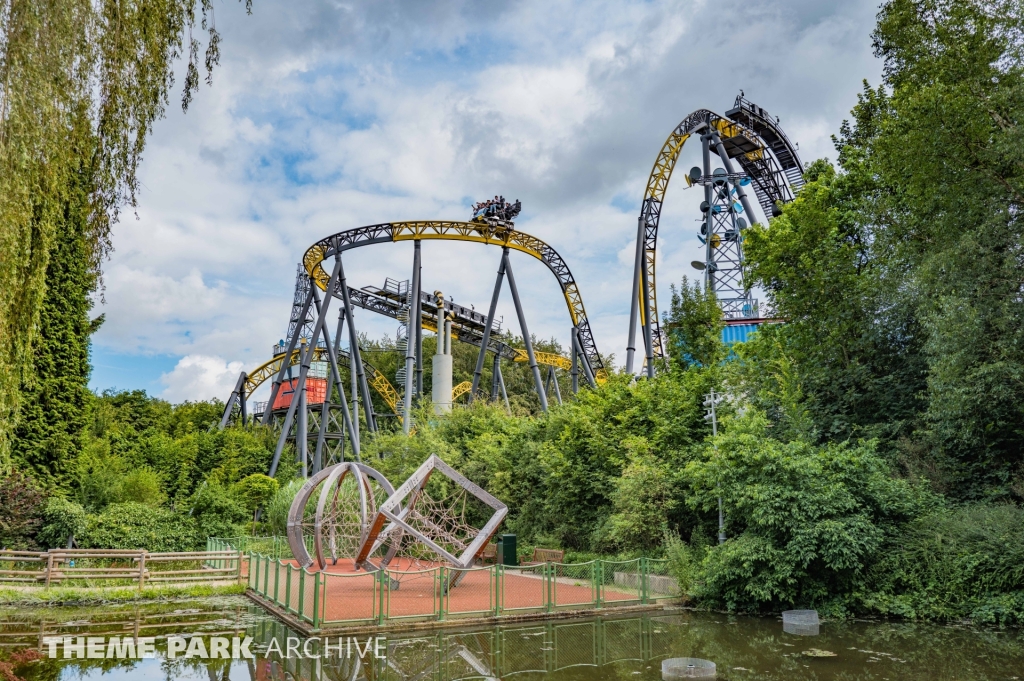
x,y
608,647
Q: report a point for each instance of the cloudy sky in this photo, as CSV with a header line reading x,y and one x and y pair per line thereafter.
x,y
328,115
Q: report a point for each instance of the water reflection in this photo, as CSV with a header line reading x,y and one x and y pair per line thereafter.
x,y
570,650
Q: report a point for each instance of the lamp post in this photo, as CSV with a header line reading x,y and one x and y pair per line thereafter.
x,y
711,401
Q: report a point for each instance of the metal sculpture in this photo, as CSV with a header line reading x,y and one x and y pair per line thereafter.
x,y
411,512
770,161
349,494
359,516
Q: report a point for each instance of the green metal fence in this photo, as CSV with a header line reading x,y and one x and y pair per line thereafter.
x,y
442,592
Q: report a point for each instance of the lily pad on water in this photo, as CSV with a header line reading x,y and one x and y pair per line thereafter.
x,y
818,652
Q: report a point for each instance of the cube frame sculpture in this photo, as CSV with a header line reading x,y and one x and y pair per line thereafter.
x,y
395,513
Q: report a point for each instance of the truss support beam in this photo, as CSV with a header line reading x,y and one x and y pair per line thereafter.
x,y
526,334
487,327
332,356
307,358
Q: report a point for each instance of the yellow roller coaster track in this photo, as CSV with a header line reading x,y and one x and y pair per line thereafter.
x,y
657,185
463,231
461,389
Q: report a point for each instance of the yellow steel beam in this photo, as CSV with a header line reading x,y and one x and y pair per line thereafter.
x,y
461,389
546,358
474,232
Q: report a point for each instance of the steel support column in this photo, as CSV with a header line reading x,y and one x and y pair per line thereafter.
x,y
410,345
494,376
709,275
639,279
302,431
487,328
587,371
554,379
229,407
419,325
242,400
526,334
353,352
318,453
648,333
575,371
744,201
504,394
307,358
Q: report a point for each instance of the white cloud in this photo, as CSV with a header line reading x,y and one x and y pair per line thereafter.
x,y
200,377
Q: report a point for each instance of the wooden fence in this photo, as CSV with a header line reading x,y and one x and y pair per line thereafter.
x,y
91,567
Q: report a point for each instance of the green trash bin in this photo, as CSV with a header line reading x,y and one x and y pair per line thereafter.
x,y
507,550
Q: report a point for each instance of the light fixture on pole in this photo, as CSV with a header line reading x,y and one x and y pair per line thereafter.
x,y
711,401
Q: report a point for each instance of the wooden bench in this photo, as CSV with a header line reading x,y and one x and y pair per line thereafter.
x,y
490,554
547,556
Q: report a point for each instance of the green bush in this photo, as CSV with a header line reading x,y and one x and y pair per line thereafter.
x,y
643,501
217,513
255,491
137,526
683,561
142,486
954,564
277,508
61,519
804,521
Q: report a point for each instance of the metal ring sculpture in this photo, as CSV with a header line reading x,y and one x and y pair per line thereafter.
x,y
324,525
461,231
754,134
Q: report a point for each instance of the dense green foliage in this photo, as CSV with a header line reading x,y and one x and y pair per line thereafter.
x,y
21,511
53,415
954,563
806,521
138,526
900,274
63,520
83,83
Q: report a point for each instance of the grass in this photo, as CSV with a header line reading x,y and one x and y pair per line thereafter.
x,y
85,595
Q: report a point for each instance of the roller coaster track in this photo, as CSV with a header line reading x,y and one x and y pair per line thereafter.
x,y
467,324
390,232
268,370
461,389
770,166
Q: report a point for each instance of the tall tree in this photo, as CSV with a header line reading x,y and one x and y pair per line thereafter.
x,y
953,142
901,278
82,83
